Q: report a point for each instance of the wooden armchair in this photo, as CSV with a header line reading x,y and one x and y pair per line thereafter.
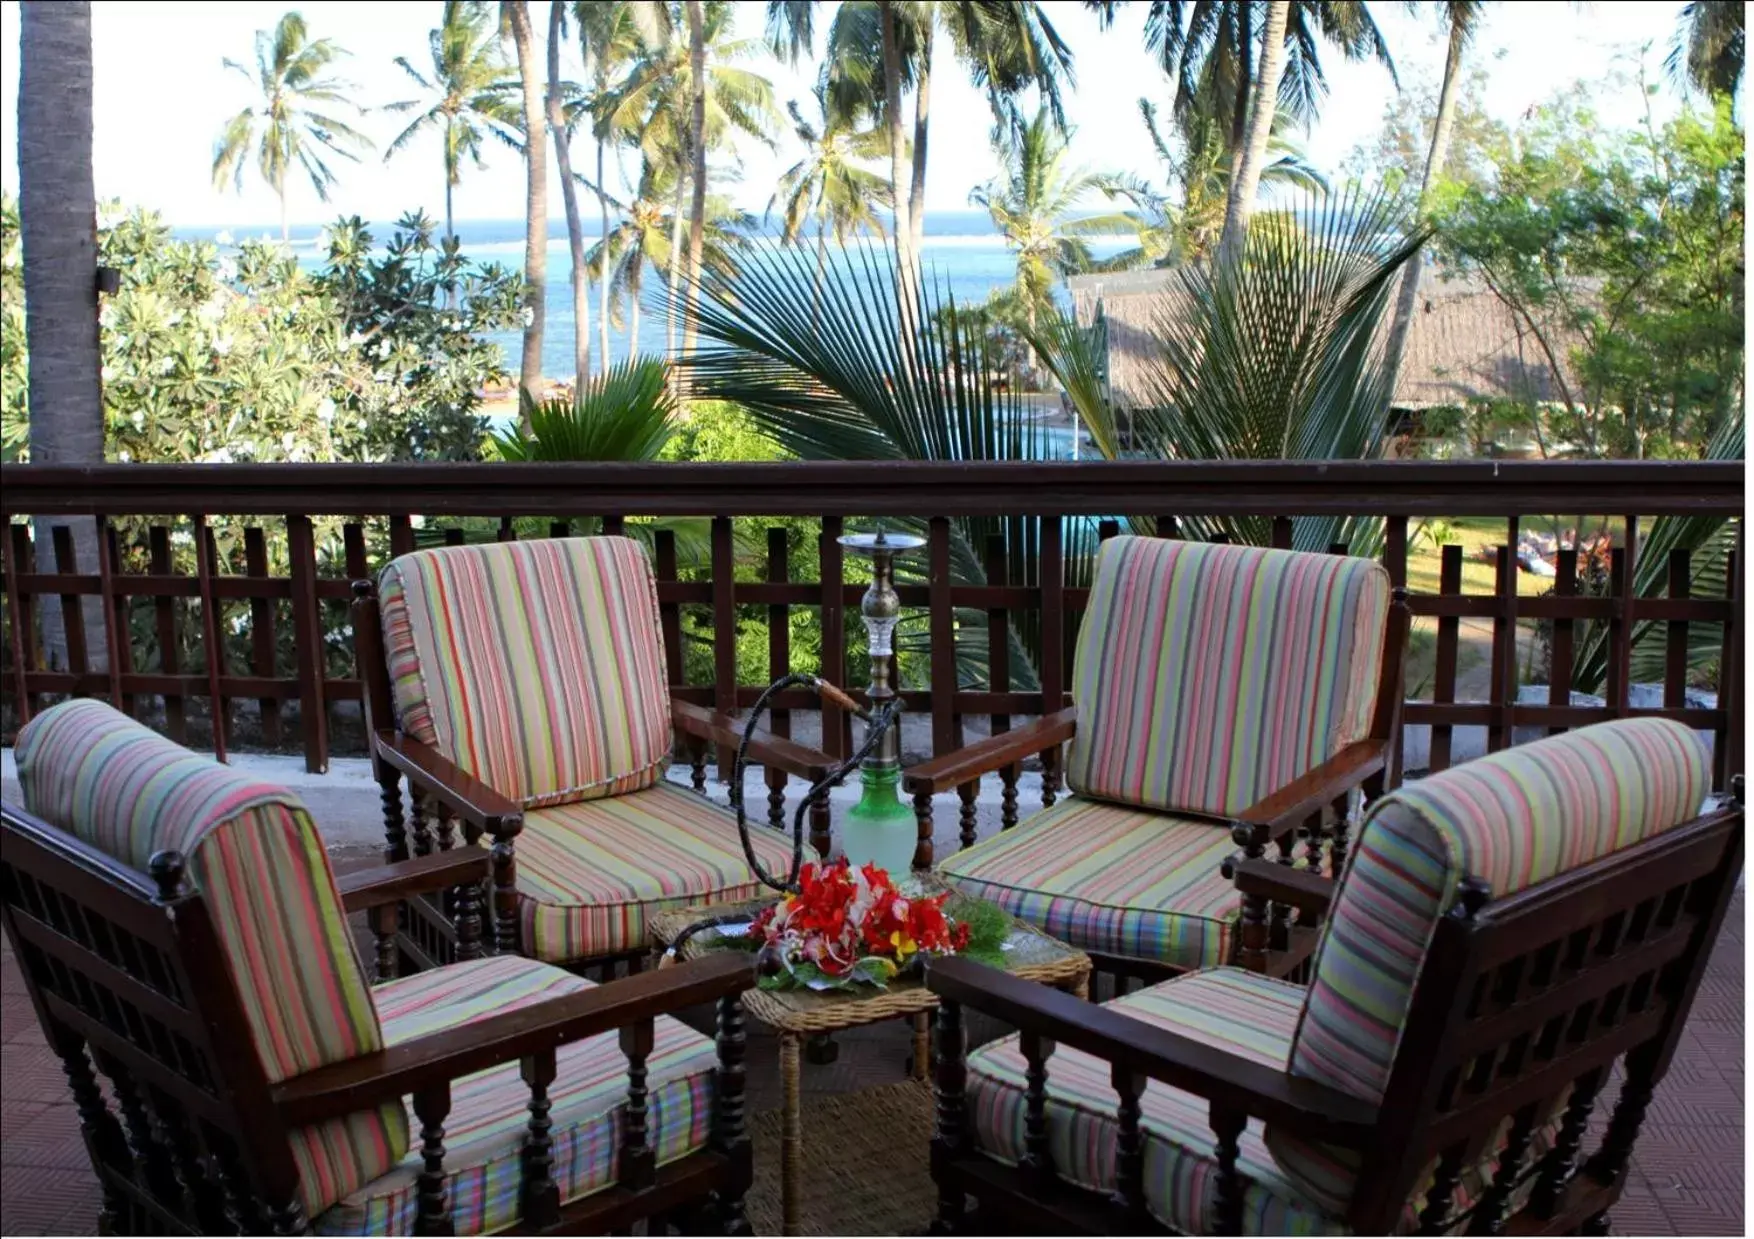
x,y
1226,696
520,688
182,936
1508,931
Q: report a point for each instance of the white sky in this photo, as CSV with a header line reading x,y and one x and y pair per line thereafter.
x,y
162,94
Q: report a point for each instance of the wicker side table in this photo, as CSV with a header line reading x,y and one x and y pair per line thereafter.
x,y
797,1014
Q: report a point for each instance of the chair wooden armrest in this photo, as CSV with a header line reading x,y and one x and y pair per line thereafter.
x,y
776,751
1304,1107
1297,888
370,1079
966,764
1303,797
471,799
392,883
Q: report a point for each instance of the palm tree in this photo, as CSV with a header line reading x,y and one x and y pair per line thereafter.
x,y
1173,232
561,131
828,185
471,93
287,130
1031,203
515,17
697,151
1708,47
58,227
1253,152
625,413
1005,48
655,103
612,34
646,237
1463,17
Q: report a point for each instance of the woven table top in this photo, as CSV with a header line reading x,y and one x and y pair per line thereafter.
x,y
1029,954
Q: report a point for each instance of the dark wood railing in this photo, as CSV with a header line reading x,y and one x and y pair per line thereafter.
x,y
378,506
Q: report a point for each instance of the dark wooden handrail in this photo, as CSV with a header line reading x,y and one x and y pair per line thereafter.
x,y
880,488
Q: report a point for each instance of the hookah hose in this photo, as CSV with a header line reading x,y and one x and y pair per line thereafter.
x,y
877,723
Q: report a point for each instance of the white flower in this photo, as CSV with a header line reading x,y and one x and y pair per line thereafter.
x,y
173,318
326,411
211,310
221,457
139,419
222,237
227,269
222,344
106,317
383,349
166,364
528,316
107,374
286,441
356,339
125,456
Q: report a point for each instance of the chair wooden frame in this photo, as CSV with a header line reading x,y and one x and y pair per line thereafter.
x,y
440,790
1268,941
1519,1000
128,979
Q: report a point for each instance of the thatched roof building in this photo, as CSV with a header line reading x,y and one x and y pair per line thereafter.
x,y
1464,344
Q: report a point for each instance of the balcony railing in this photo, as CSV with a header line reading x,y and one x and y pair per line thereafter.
x,y
332,524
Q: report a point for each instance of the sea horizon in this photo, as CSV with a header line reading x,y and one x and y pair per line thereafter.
x,y
959,248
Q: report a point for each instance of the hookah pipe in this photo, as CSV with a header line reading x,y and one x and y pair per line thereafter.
x,y
877,723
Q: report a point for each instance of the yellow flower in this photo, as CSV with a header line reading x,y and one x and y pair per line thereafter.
x,y
904,944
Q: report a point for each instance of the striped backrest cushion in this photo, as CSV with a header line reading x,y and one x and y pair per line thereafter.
x,y
535,666
1512,819
256,858
1209,676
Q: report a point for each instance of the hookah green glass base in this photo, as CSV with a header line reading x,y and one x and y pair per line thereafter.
x,y
880,829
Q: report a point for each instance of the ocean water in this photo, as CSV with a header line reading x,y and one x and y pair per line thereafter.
x,y
960,250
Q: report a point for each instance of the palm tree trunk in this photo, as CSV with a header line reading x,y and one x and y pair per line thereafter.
x,y
450,226
916,198
569,194
517,14
1434,161
603,264
897,145
58,232
1239,114
673,275
285,234
633,323
697,149
1261,109
821,268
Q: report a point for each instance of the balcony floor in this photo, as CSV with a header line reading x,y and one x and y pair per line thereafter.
x,y
1687,1177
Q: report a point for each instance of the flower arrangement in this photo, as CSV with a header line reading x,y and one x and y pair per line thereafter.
x,y
850,926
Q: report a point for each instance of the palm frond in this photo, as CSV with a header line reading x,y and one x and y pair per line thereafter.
x,y
625,413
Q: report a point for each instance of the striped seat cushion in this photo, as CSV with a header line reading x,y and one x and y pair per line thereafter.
x,y
485,1130
1244,1013
1113,879
257,860
1513,819
535,666
590,873
1209,676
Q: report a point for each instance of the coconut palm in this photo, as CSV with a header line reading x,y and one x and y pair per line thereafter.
x,y
286,127
646,239
1708,48
471,93
655,103
58,227
515,19
828,185
1462,18
560,129
879,51
1031,204
1187,227
612,34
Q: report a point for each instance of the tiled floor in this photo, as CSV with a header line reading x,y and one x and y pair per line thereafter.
x,y
1687,1177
